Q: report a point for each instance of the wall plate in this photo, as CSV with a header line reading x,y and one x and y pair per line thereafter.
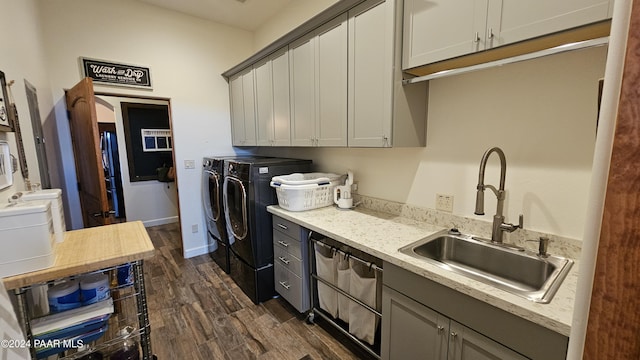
x,y
6,171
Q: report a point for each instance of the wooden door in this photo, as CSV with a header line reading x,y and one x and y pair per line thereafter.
x,y
85,137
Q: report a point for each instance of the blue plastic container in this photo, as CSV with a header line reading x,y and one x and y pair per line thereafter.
x,y
94,288
125,275
64,296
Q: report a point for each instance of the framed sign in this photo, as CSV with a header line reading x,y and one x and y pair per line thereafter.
x,y
5,124
118,74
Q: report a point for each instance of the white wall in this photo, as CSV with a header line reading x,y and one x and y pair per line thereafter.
x,y
542,113
186,56
292,16
22,58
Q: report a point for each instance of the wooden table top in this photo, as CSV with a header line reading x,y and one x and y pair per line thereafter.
x,y
91,249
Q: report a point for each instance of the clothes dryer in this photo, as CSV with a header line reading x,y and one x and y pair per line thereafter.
x,y
247,194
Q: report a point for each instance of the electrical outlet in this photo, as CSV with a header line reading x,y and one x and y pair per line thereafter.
x,y
354,187
189,164
194,228
444,202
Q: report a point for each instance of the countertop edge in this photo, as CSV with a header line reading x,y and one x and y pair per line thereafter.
x,y
62,269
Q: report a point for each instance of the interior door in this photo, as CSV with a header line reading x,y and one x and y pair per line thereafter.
x,y
38,134
85,137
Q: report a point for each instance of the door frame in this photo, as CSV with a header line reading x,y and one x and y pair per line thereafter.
x,y
173,153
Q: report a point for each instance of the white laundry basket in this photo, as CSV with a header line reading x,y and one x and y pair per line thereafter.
x,y
300,192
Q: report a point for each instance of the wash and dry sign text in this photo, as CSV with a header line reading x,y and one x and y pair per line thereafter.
x,y
116,73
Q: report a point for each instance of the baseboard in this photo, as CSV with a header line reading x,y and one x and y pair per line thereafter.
x,y
162,221
200,250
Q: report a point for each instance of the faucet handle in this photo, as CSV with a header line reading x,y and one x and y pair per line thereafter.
x,y
511,227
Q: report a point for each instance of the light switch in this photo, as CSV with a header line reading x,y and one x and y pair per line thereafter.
x,y
189,164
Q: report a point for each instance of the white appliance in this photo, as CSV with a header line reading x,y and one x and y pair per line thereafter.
x,y
26,233
57,211
342,193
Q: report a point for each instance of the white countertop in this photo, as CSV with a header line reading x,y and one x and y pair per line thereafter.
x,y
381,234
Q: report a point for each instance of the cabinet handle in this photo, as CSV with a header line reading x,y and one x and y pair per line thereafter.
x,y
454,334
283,227
490,34
285,285
476,39
285,261
283,243
440,328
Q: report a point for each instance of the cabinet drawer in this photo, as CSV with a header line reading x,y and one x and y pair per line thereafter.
x,y
290,287
287,227
287,261
288,244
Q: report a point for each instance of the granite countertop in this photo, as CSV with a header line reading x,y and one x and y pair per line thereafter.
x,y
381,234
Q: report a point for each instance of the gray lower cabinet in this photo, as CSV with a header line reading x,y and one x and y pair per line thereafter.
x,y
290,257
414,331
425,320
411,330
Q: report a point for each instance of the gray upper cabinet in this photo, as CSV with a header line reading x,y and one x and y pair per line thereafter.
x,y
302,86
272,100
318,71
344,85
243,111
371,37
436,30
382,111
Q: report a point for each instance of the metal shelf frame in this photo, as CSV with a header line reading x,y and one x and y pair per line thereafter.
x,y
313,283
143,330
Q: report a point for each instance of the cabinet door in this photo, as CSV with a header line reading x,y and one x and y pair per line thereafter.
x,y
411,330
249,109
280,81
511,20
272,101
466,344
331,80
435,30
264,103
237,111
302,86
370,74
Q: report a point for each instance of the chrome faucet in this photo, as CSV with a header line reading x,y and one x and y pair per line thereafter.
x,y
499,226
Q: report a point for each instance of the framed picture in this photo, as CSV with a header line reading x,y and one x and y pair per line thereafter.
x,y
5,125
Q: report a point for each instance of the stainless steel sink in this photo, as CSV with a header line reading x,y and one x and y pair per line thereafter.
x,y
520,272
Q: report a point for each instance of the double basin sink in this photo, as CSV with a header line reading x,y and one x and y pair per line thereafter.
x,y
510,268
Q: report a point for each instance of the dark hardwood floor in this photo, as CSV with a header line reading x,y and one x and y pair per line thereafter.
x,y
198,312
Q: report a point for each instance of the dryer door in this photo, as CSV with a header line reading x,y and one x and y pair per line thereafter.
x,y
211,201
235,208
